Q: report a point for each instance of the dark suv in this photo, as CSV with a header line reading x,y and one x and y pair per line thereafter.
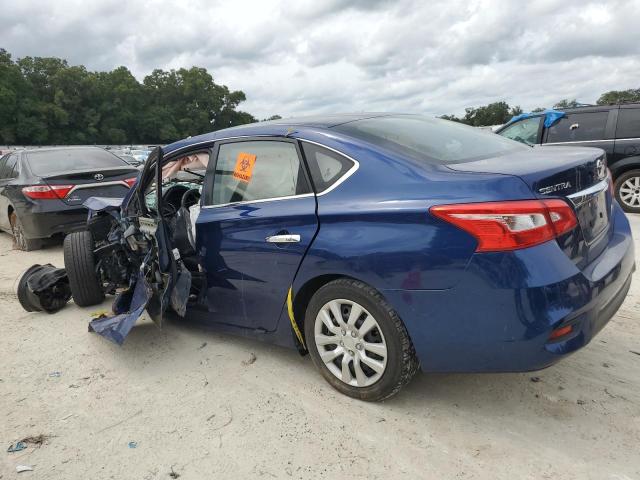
x,y
613,128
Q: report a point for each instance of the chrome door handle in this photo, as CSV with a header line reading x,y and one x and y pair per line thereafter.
x,y
288,238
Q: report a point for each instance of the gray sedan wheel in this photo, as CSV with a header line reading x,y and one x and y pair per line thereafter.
x,y
357,341
350,343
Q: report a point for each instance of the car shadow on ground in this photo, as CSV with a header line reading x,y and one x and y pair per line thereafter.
x,y
488,392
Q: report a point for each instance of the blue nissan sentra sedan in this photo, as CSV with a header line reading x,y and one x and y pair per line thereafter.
x,y
381,244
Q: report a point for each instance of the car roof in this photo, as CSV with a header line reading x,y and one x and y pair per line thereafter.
x,y
323,121
278,127
56,149
598,108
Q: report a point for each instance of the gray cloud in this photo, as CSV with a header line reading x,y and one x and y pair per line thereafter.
x,y
339,55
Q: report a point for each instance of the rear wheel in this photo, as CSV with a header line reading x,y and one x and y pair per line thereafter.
x,y
79,262
20,240
627,191
358,342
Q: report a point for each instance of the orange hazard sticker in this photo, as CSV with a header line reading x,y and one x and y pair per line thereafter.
x,y
244,166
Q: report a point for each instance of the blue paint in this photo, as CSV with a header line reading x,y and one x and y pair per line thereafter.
x,y
464,311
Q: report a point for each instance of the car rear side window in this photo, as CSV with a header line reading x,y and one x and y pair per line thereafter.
x,y
628,123
430,140
326,166
51,162
257,170
578,127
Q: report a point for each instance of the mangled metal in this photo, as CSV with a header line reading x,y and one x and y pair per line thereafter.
x,y
43,288
128,306
141,247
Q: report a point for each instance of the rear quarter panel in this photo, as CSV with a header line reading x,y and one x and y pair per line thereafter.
x,y
376,226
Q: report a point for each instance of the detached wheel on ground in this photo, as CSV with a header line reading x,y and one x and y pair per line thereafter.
x,y
627,191
79,262
20,241
358,342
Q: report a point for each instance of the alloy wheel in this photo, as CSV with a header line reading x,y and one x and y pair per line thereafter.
x,y
630,192
350,343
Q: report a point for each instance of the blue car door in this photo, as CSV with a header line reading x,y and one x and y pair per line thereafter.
x,y
257,220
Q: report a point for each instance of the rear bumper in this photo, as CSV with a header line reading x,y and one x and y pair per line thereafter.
x,y
500,316
43,222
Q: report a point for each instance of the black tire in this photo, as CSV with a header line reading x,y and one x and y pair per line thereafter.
x,y
628,204
402,363
20,240
79,262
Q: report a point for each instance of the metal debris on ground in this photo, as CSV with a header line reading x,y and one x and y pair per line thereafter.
x,y
16,447
43,288
252,359
174,474
133,444
535,379
55,374
24,468
204,344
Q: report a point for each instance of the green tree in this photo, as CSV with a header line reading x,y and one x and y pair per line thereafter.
x,y
12,90
493,114
45,100
615,97
566,103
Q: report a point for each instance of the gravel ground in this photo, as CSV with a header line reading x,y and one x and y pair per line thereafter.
x,y
195,406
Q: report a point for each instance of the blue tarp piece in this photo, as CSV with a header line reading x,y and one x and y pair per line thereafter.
x,y
117,327
550,117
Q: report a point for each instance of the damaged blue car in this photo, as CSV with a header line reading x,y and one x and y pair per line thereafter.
x,y
381,244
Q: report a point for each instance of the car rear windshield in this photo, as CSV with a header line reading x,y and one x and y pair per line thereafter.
x,y
430,139
50,162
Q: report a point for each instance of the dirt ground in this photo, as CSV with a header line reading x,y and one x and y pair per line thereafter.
x,y
196,407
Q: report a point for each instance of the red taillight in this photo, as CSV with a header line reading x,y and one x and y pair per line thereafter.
x,y
47,192
130,181
510,225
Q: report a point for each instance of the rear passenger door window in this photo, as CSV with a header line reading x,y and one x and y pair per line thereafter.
x,y
257,170
326,167
628,123
578,127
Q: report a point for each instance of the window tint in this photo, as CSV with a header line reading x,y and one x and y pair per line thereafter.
x,y
428,139
326,166
524,131
48,162
248,171
578,127
628,123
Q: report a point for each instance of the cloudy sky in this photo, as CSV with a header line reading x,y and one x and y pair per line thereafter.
x,y
312,56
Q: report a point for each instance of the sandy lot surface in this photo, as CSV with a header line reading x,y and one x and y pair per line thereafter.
x,y
193,405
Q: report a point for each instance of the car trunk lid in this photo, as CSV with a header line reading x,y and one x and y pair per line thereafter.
x,y
86,183
577,175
